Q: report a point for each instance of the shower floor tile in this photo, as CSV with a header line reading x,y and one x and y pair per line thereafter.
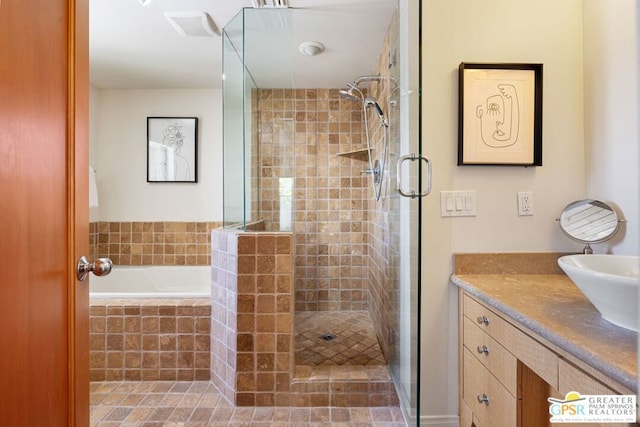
x,y
336,338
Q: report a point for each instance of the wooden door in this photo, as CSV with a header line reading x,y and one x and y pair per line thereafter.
x,y
43,212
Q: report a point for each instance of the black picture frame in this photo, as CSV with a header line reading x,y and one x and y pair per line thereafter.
x,y
500,114
172,149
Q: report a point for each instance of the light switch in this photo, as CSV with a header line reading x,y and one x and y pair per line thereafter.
x,y
458,203
468,203
449,203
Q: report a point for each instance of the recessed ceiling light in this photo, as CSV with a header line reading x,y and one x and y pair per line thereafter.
x,y
193,24
311,48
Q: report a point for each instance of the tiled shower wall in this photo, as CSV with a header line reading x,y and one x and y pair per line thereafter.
x,y
252,317
346,250
303,133
383,224
152,243
252,351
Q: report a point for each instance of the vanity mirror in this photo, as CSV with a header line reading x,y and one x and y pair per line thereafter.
x,y
589,221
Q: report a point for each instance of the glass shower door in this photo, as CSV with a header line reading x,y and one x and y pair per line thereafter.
x,y
404,212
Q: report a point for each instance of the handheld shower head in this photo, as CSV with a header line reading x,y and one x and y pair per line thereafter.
x,y
372,102
368,102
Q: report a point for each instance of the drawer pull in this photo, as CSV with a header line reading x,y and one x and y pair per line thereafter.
x,y
483,349
483,399
483,319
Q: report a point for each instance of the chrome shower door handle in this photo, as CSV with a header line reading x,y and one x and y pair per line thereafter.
x,y
100,267
410,193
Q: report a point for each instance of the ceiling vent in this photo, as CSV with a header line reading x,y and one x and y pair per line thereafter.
x,y
193,24
269,3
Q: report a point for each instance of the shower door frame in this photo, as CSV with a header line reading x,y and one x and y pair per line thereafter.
x,y
407,212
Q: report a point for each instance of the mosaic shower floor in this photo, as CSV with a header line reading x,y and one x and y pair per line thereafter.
x,y
336,338
198,404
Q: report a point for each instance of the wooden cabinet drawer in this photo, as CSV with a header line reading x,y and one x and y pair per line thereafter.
x,y
529,351
466,416
486,319
476,422
492,355
478,382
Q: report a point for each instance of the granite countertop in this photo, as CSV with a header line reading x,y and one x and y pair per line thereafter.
x,y
550,305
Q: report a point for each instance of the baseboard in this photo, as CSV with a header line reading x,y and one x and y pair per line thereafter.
x,y
440,421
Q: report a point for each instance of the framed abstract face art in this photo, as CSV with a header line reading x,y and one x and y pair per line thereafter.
x,y
500,114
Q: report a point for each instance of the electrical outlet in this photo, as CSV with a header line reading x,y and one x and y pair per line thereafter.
x,y
525,203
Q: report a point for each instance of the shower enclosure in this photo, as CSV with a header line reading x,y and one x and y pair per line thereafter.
x,y
324,161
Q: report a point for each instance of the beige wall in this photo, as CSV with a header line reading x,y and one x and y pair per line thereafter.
x,y
590,145
548,32
611,113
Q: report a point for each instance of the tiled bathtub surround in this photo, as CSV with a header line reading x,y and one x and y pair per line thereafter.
x,y
152,243
146,339
252,349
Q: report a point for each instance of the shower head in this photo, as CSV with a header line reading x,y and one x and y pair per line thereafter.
x,y
348,94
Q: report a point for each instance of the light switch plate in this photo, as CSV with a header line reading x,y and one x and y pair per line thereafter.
x,y
458,203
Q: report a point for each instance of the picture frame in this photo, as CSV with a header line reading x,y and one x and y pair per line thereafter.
x,y
172,149
500,114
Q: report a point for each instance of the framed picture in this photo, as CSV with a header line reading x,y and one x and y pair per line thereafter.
x,y
172,149
500,114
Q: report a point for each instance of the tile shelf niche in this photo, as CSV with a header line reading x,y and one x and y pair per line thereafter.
x,y
360,153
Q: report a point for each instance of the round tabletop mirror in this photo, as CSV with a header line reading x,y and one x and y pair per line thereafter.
x,y
589,221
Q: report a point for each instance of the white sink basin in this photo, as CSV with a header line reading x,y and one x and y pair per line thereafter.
x,y
610,282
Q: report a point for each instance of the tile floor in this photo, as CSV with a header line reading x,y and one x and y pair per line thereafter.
x,y
198,404
354,341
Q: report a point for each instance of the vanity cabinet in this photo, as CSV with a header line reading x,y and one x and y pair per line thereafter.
x,y
507,372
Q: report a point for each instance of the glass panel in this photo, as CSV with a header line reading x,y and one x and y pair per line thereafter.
x,y
294,161
404,218
269,35
233,122
258,133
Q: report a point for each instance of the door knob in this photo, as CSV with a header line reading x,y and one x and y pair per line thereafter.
x,y
100,267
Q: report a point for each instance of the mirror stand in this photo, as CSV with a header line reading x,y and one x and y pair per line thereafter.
x,y
589,221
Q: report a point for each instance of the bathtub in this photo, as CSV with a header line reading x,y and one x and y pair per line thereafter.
x,y
153,282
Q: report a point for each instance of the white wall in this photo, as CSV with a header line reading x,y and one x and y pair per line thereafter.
x,y
612,112
544,31
119,124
